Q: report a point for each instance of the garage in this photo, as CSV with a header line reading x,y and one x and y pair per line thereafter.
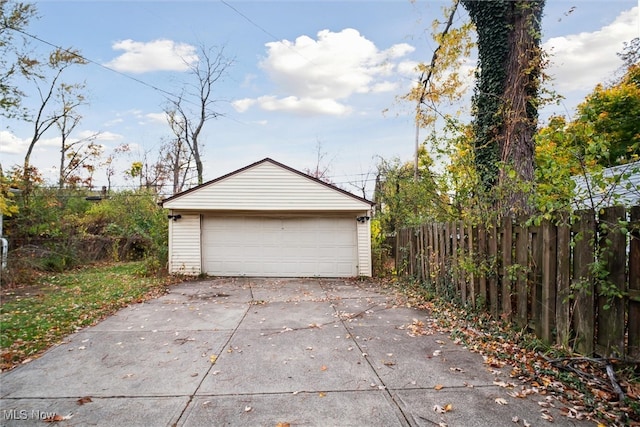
x,y
269,220
287,247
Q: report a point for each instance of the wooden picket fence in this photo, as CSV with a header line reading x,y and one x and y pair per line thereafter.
x,y
543,277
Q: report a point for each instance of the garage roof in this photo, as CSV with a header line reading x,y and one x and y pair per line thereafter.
x,y
267,186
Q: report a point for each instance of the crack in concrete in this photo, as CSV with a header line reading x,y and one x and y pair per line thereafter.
x,y
213,364
402,416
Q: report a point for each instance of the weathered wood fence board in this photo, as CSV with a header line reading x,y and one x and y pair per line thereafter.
x,y
577,285
634,285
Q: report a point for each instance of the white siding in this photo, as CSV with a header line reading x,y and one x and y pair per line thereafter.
x,y
364,248
184,245
618,185
266,187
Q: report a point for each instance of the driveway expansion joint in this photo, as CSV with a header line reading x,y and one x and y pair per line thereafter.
x,y
205,353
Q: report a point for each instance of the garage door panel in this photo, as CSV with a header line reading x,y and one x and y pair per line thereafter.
x,y
288,247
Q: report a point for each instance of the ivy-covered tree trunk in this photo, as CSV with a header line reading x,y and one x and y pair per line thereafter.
x,y
505,100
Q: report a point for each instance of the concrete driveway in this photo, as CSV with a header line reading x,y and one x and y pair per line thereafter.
x,y
264,352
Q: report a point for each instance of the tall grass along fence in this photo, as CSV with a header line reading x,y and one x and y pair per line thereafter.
x,y
576,284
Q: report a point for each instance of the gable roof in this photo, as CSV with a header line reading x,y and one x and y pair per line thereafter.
x,y
266,185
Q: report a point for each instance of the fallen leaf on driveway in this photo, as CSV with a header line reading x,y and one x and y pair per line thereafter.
x,y
547,416
503,384
55,418
84,400
438,387
517,394
441,410
283,425
501,401
213,358
323,368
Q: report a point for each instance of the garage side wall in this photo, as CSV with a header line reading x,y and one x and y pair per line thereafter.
x,y
364,248
184,245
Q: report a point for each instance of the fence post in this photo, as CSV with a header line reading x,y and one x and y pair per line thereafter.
x,y
610,335
462,256
429,253
507,262
454,259
633,350
442,260
419,254
535,279
398,239
549,272
425,251
435,255
522,258
563,305
472,256
583,257
449,283
491,260
478,261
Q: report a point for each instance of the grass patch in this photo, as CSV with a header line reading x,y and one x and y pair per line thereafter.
x,y
34,319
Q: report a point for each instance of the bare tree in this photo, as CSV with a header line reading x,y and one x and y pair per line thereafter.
x,y
47,115
189,113
322,168
109,162
74,154
177,154
153,175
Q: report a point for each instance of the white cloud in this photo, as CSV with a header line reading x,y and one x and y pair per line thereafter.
x,y
408,68
242,105
114,122
156,55
48,142
11,144
104,136
384,87
304,106
315,75
157,117
580,61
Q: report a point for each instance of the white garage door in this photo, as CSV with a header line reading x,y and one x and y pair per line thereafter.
x,y
279,247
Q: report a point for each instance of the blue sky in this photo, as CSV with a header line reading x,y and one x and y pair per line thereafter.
x,y
304,73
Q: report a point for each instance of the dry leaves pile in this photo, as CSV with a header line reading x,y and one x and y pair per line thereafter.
x,y
580,384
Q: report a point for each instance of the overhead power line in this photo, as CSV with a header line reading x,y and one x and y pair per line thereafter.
x,y
89,60
273,37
